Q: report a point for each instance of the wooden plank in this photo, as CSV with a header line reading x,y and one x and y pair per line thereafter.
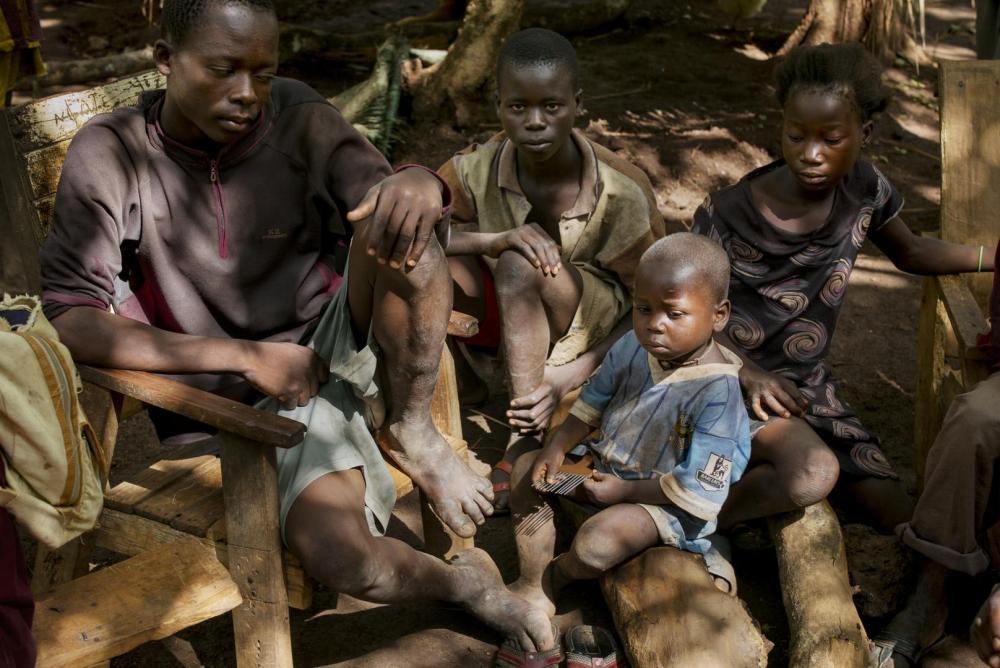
x,y
223,414
128,534
44,167
198,517
113,610
56,567
250,486
967,319
58,118
445,410
129,493
196,485
462,325
970,158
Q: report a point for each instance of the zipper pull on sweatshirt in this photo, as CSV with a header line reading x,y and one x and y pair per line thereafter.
x,y
213,173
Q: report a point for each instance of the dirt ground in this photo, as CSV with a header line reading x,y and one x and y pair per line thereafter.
x,y
690,101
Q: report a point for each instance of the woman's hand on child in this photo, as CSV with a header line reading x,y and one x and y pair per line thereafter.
x,y
768,391
604,489
546,466
533,243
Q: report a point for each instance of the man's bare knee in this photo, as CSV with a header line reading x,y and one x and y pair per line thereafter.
x,y
815,477
348,568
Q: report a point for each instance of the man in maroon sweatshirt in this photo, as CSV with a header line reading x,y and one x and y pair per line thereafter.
x,y
955,508
217,218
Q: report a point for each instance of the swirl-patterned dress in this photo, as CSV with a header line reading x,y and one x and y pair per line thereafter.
x,y
787,290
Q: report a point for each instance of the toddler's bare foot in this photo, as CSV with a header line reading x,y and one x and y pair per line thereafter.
x,y
985,630
459,496
482,592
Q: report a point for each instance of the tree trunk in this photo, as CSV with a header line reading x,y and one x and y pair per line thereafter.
x,y
878,24
455,87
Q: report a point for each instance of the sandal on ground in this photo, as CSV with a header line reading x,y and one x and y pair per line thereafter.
x,y
506,468
886,644
511,655
590,646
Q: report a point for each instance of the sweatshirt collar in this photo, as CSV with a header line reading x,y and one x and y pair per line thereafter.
x,y
227,155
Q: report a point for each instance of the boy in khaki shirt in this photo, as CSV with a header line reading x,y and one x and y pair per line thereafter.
x,y
547,229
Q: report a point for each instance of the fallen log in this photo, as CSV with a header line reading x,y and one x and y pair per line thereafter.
x,y
69,72
668,612
826,631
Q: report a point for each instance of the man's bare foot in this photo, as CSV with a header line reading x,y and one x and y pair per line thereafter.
x,y
482,592
459,496
985,630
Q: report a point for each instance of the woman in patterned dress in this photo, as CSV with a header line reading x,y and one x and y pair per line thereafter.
x,y
793,230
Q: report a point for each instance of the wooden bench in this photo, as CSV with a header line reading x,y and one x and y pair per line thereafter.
x,y
196,493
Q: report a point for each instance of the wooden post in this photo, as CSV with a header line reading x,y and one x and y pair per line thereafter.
x,y
250,488
930,363
826,631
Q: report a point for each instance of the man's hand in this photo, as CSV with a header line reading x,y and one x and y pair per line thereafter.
x,y
290,373
404,208
532,242
546,466
604,489
531,413
770,392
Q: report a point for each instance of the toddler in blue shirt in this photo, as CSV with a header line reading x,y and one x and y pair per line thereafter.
x,y
663,418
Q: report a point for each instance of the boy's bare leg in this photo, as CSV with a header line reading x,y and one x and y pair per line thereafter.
x,y
790,467
602,542
533,520
409,313
326,528
535,310
605,540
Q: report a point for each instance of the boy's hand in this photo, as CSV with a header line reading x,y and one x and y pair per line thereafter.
x,y
546,466
404,208
532,242
769,391
531,413
603,489
290,373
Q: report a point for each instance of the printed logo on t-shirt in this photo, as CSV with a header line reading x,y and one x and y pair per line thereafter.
x,y
715,475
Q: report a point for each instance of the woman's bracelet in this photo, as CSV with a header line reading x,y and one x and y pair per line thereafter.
x,y
980,267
